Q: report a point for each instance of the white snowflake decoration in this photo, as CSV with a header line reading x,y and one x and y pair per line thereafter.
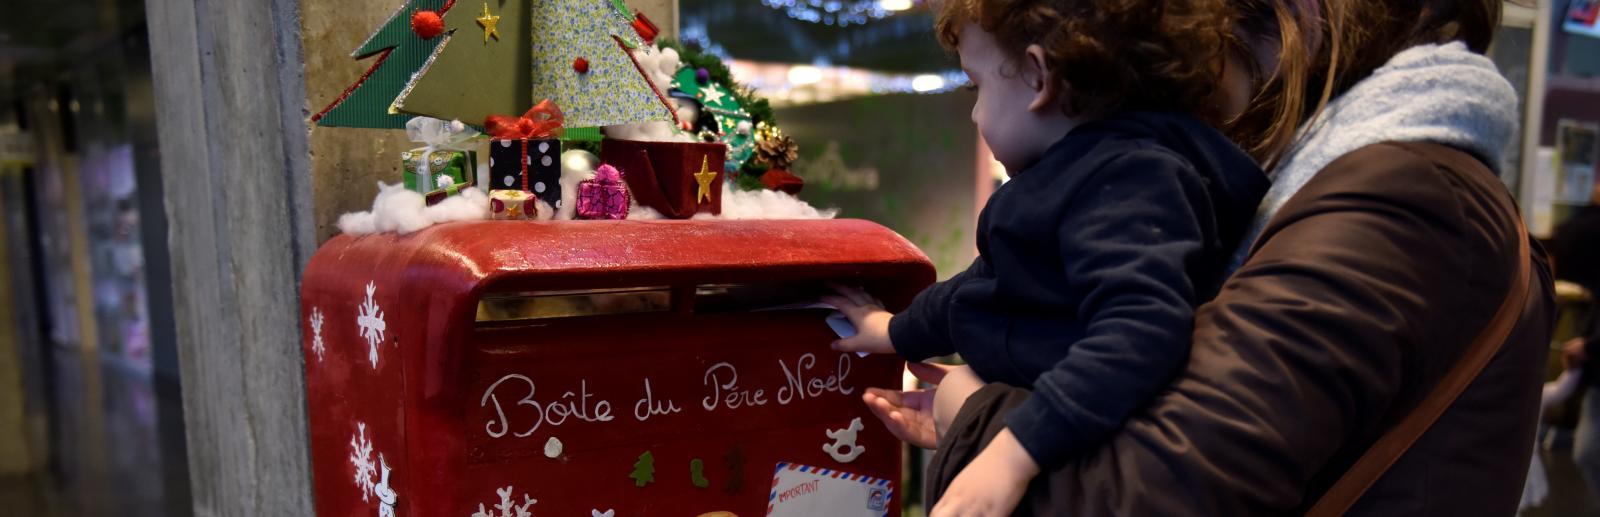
x,y
316,332
372,325
506,507
361,459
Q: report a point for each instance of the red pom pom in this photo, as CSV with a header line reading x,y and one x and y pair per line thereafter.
x,y
581,65
427,24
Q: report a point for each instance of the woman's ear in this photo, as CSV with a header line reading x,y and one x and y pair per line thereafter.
x,y
1036,71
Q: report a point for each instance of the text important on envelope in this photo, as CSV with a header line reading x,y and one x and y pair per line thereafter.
x,y
805,491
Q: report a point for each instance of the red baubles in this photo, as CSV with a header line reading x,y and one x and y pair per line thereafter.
x,y
427,24
580,65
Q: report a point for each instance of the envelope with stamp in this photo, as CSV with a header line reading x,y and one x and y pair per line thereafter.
x,y
802,490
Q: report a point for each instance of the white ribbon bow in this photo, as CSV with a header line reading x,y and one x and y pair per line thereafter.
x,y
438,135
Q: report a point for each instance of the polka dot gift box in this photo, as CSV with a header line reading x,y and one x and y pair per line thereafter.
x,y
525,153
538,170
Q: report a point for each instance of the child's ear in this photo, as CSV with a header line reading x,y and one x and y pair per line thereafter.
x,y
1046,91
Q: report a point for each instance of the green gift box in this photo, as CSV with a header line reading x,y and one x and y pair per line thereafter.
x,y
439,174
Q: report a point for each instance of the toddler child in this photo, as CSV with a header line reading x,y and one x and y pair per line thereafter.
x,y
1121,213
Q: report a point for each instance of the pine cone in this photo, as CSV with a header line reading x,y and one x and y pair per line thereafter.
x,y
779,153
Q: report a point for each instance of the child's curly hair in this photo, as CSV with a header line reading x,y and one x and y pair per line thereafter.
x,y
1111,54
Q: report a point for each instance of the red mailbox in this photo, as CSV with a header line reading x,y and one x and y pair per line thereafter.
x,y
618,368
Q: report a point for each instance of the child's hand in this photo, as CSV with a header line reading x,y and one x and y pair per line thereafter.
x,y
868,316
992,484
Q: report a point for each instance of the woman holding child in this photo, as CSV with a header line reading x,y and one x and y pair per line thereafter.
x,y
1385,268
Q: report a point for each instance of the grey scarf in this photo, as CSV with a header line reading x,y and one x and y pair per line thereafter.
x,y
1430,93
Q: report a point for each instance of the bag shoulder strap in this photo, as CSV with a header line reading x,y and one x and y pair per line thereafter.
x,y
1397,440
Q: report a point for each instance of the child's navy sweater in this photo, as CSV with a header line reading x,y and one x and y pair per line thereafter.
x,y
1090,265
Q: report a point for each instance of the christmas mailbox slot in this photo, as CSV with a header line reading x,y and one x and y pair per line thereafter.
x,y
622,368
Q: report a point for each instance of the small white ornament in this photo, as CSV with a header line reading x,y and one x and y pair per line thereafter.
x,y
444,181
552,448
598,513
578,161
372,325
506,507
845,439
456,126
316,332
744,127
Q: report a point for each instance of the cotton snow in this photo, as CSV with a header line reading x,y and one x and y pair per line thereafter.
x,y
403,211
765,204
656,131
754,204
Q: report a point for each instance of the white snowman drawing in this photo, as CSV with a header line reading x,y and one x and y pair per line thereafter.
x,y
386,494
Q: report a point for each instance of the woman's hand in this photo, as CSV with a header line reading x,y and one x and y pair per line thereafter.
x,y
907,414
992,484
867,315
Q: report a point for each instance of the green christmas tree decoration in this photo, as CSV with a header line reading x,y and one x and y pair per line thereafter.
x,y
573,52
758,107
644,470
719,103
473,74
580,60
401,52
697,473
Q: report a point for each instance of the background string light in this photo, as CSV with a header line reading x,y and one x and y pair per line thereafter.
x,y
842,13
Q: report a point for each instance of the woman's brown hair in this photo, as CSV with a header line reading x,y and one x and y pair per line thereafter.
x,y
1110,54
1352,38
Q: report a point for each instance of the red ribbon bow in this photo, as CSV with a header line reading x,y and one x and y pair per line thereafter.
x,y
542,121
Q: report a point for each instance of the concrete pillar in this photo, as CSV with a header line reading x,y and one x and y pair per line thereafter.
x,y
231,120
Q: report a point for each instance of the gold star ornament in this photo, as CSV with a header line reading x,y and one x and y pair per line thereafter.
x,y
704,178
489,22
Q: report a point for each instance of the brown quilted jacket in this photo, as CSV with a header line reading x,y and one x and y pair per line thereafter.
x,y
1360,294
